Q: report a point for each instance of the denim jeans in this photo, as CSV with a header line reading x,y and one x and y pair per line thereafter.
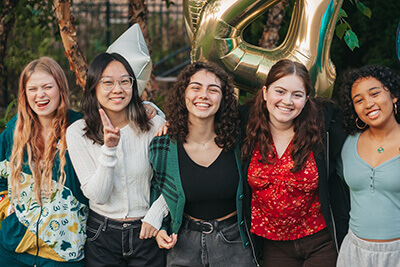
x,y
315,250
116,243
220,246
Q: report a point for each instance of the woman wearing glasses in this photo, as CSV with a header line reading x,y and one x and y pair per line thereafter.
x,y
109,151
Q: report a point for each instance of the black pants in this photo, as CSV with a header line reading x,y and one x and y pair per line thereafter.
x,y
115,243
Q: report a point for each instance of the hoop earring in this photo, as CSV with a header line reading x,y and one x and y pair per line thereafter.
x,y
395,108
359,127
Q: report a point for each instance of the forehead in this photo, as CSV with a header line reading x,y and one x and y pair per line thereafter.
x,y
290,82
363,85
115,69
205,77
39,78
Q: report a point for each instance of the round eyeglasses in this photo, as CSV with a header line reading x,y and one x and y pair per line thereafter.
x,y
125,82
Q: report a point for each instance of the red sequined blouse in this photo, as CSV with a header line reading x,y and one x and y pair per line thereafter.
x,y
285,205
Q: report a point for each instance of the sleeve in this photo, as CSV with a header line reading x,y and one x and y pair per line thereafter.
x,y
94,174
157,212
159,111
5,137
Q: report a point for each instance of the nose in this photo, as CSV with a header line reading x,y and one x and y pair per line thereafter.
x,y
41,92
287,99
369,103
117,88
203,93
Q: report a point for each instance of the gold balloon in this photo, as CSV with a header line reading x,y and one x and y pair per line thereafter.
x,y
215,28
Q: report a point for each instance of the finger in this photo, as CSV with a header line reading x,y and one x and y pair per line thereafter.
x,y
142,233
104,118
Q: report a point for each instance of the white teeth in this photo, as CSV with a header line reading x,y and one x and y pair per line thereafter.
x,y
120,98
373,113
202,105
42,102
284,109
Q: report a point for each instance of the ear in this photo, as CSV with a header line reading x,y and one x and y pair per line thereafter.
x,y
265,91
394,100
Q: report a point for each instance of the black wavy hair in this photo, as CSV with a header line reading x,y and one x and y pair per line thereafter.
x,y
389,79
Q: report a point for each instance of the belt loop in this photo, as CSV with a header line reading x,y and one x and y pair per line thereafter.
x,y
105,223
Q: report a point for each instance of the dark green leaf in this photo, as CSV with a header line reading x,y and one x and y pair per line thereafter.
x,y
342,13
340,30
351,39
363,9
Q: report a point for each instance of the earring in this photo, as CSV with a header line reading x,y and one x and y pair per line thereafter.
x,y
395,109
359,127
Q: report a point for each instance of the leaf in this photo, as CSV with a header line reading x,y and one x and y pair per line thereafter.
x,y
340,30
363,9
351,40
342,13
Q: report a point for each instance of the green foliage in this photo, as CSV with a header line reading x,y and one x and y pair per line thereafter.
x,y
343,28
8,114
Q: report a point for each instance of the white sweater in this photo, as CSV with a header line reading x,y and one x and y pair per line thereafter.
x,y
116,180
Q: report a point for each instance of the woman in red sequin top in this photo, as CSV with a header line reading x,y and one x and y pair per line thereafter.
x,y
287,135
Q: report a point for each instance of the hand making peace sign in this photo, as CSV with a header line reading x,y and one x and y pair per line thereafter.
x,y
111,134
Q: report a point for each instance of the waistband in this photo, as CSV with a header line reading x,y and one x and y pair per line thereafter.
x,y
115,224
207,227
373,246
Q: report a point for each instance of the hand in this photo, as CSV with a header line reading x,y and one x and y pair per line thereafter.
x,y
166,241
147,231
151,112
111,134
163,130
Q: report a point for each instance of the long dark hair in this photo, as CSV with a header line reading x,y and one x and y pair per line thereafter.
x,y
307,126
389,79
226,119
135,111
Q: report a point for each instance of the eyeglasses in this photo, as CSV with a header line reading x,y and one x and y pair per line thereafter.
x,y
125,82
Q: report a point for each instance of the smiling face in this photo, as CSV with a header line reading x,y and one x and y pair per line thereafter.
x,y
115,101
285,99
373,102
43,95
203,95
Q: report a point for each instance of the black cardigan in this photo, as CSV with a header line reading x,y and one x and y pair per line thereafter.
x,y
333,191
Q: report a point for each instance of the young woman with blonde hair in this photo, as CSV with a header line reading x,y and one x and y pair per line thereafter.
x,y
45,222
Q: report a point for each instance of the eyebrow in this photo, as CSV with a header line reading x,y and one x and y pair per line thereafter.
x,y
295,91
370,89
213,84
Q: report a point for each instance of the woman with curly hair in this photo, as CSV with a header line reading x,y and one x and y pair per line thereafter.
x,y
46,220
197,172
371,166
298,204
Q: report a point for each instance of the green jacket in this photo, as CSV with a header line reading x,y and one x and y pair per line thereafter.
x,y
55,231
163,155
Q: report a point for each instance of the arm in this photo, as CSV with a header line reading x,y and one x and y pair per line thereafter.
x,y
154,217
95,172
149,105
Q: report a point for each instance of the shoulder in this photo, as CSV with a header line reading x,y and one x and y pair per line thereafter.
x,y
160,142
76,128
157,122
74,116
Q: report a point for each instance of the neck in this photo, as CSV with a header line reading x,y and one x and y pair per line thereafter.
x,y
201,130
380,134
281,129
118,119
46,124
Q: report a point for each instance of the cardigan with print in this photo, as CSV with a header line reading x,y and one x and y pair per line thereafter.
x,y
55,231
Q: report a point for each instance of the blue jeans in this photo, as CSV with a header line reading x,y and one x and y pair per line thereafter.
x,y
219,245
115,243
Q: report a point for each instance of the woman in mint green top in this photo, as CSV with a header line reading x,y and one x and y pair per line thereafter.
x,y
371,167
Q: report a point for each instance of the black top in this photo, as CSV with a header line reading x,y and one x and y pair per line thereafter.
x,y
210,191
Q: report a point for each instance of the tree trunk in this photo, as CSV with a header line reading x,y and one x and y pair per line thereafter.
x,y
270,36
7,19
76,58
138,14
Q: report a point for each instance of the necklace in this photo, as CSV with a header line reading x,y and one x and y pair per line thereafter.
x,y
380,148
202,143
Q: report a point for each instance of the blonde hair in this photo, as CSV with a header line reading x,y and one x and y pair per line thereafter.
x,y
28,138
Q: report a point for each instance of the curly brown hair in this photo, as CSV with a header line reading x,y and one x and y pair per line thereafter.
x,y
226,119
308,126
389,79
